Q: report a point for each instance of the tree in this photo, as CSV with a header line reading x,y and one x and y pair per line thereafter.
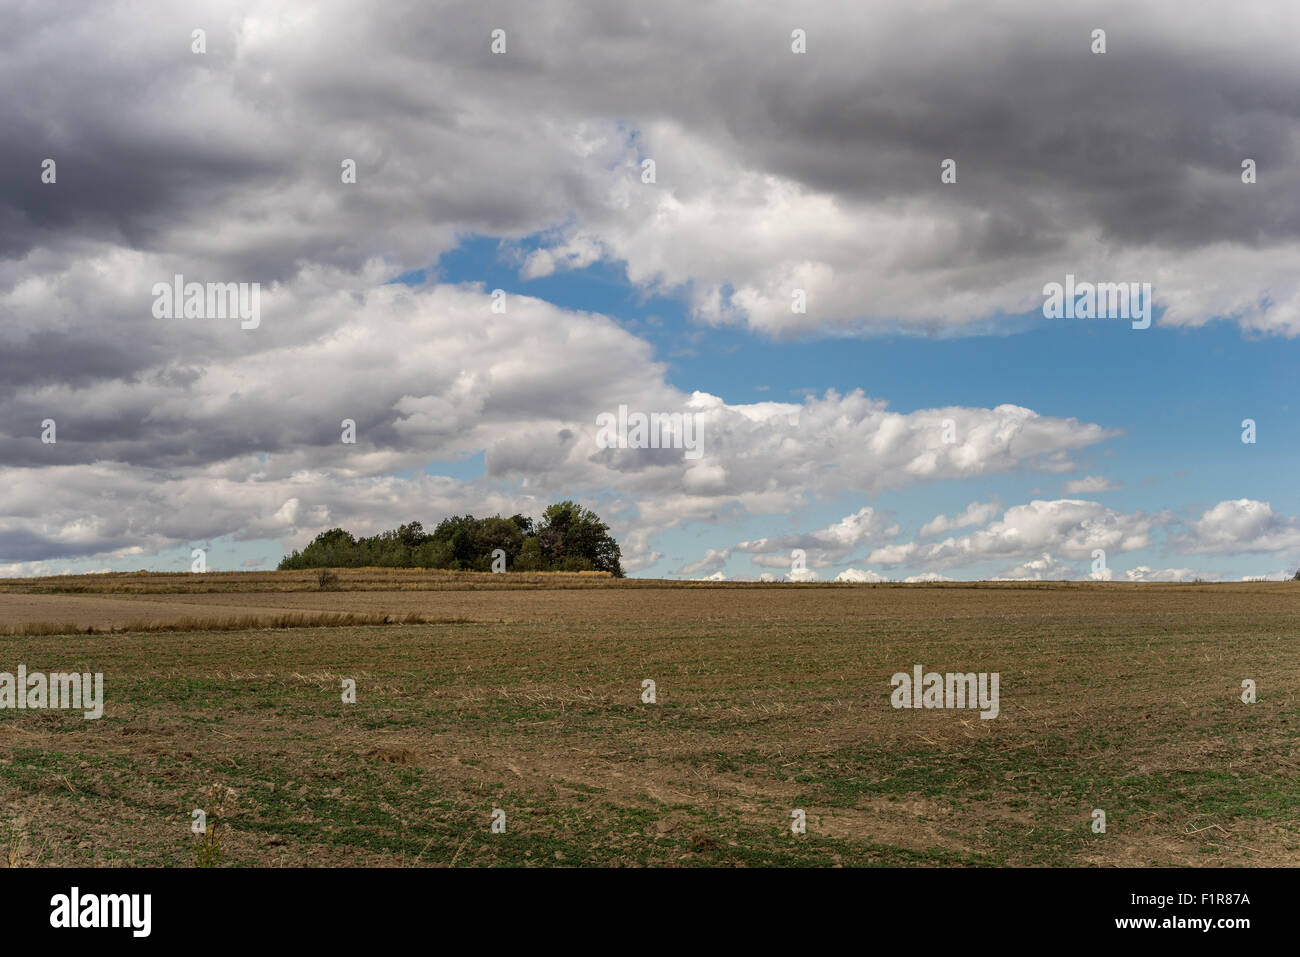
x,y
574,537
334,548
412,535
488,534
458,533
432,554
530,557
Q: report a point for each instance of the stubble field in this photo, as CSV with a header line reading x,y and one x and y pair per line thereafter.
x,y
525,694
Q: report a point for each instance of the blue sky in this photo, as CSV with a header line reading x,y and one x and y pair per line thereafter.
x,y
1176,395
1179,396
778,172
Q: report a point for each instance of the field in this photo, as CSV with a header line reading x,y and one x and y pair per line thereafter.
x,y
524,693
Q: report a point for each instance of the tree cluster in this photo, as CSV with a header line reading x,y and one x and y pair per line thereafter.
x,y
568,538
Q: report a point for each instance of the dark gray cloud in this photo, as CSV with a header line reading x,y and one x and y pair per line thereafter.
x,y
226,167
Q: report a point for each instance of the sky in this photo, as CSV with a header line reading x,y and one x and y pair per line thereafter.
x,y
825,232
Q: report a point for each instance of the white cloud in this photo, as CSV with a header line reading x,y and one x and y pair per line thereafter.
x,y
271,463
858,575
713,561
1282,575
1241,525
1145,573
1090,485
1043,568
976,513
226,167
824,547
1071,527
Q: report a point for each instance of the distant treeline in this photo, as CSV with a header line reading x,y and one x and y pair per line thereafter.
x,y
569,538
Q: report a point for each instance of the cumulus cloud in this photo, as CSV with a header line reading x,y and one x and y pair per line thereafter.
x,y
826,546
226,167
860,575
1043,568
232,158
1142,183
1241,525
1050,534
713,561
976,513
249,443
1072,528
1047,568
1145,573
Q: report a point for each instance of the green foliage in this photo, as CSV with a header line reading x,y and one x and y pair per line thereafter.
x,y
573,538
530,557
568,538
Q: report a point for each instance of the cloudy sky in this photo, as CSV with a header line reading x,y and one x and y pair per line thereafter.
x,y
921,418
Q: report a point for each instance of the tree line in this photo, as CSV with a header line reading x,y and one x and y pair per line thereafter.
x,y
569,538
